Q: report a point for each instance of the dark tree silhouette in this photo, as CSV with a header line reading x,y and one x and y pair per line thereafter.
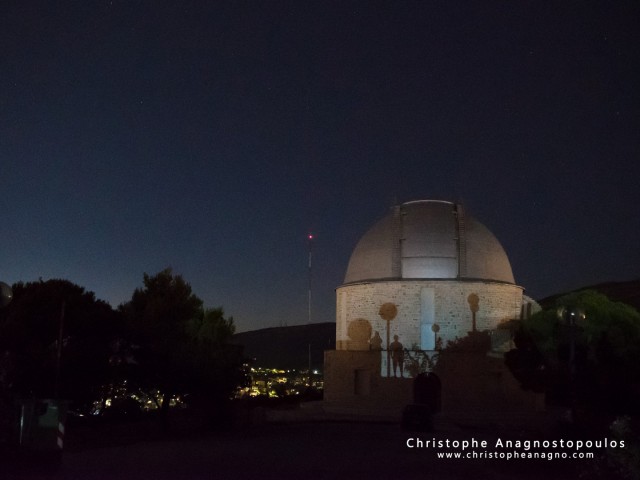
x,y
182,348
29,334
156,318
606,345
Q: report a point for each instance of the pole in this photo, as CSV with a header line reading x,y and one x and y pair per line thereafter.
x,y
310,382
310,250
388,351
59,350
309,317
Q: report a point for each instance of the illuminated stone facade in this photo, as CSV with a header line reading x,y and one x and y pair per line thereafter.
x,y
421,277
421,305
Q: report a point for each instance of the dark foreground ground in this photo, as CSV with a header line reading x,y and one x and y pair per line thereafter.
x,y
306,450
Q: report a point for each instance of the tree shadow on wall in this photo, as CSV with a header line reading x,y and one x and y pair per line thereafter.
x,y
465,359
418,361
474,342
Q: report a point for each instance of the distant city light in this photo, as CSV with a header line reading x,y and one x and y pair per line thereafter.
x,y
274,382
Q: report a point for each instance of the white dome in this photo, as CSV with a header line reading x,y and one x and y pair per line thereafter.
x,y
428,239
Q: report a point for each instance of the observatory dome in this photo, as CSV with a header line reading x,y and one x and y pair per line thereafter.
x,y
428,239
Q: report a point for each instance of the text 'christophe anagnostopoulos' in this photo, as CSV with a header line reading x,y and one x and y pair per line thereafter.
x,y
414,442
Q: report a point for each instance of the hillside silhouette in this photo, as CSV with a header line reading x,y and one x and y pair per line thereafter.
x,y
626,292
288,347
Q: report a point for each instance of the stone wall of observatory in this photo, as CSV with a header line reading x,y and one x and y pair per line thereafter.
x,y
421,304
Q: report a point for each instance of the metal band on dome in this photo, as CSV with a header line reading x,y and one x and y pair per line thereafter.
x,y
461,240
396,263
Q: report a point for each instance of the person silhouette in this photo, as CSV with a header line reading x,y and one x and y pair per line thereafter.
x,y
376,342
397,355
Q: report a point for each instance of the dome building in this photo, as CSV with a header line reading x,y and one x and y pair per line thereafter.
x,y
424,275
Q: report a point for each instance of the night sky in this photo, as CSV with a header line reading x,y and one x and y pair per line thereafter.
x,y
212,137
